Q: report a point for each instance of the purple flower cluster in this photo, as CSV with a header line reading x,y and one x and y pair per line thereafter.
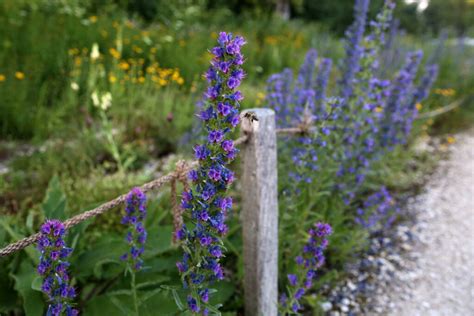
x,y
308,263
378,211
53,268
135,209
399,107
206,204
298,100
361,112
354,49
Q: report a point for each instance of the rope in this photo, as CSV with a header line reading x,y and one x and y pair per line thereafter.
x,y
180,174
440,111
181,169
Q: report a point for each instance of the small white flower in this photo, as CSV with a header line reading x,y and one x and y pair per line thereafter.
x,y
95,98
95,54
74,86
106,101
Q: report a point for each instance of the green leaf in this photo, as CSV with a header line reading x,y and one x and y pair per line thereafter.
x,y
8,296
159,304
177,300
156,280
159,240
104,255
36,284
54,203
32,253
32,300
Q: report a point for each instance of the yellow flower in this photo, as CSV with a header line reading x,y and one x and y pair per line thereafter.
x,y
137,49
114,52
112,78
77,61
378,109
180,81
153,50
2,77
73,51
260,97
162,82
451,140
93,19
124,65
141,79
19,75
271,40
419,106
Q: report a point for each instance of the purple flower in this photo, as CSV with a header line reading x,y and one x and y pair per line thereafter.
x,y
293,279
215,136
311,259
135,208
224,109
207,205
201,152
192,304
53,268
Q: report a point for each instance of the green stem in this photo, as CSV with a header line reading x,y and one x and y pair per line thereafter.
x,y
134,293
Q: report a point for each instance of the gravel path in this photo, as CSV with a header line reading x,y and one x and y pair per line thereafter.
x,y
441,279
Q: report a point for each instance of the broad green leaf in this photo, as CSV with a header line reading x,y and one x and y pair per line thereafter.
x,y
32,300
159,240
92,261
54,203
37,282
8,296
159,304
32,253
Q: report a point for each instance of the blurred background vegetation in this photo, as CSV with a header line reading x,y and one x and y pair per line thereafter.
x,y
99,95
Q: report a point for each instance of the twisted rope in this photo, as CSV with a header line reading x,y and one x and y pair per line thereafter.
x,y
181,168
180,174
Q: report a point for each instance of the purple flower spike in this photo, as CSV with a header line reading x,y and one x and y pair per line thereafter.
x,y
311,259
206,204
135,208
53,268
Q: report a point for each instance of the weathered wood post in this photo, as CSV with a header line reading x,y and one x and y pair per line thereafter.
x,y
260,213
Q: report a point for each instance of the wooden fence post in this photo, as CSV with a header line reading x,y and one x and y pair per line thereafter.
x,y
260,214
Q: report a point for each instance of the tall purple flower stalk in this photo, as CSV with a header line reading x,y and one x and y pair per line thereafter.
x,y
206,204
378,211
135,214
398,107
321,86
354,49
362,111
311,259
298,100
53,268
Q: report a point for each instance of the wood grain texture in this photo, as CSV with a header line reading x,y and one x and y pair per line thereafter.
x,y
260,214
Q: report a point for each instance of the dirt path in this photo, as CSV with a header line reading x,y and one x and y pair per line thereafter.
x,y
442,279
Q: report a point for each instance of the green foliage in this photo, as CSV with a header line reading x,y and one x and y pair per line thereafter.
x,y
54,204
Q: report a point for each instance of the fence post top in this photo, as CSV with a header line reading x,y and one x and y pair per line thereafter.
x,y
259,111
